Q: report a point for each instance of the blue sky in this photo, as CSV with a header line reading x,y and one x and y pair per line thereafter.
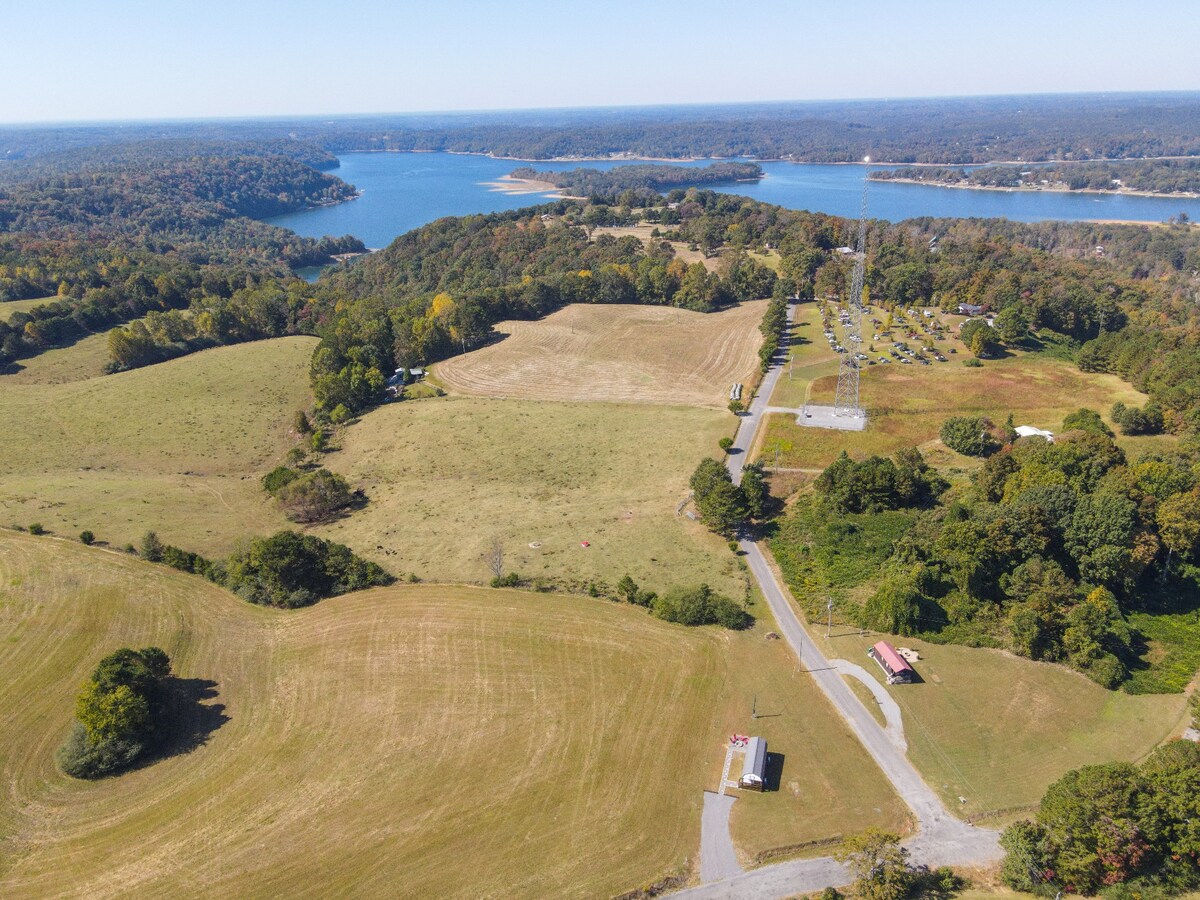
x,y
134,59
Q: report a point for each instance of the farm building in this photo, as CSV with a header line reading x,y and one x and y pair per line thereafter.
x,y
754,768
894,666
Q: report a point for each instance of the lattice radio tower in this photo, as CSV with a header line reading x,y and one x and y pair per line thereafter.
x,y
845,401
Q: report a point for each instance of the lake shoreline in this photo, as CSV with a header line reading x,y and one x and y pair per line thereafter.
x,y
1046,189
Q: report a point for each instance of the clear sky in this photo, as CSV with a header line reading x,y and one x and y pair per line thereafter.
x,y
137,59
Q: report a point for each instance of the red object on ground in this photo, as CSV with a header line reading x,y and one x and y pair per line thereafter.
x,y
886,652
585,543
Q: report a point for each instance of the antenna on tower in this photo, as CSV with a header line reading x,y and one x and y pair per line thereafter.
x,y
846,400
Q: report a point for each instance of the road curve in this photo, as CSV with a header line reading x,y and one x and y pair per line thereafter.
x,y
941,839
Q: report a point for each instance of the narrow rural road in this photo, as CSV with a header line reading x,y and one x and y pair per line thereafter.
x,y
941,839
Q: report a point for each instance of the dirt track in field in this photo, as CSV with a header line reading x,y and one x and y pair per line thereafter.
x,y
639,354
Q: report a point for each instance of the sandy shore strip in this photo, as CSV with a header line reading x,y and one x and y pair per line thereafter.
x,y
506,184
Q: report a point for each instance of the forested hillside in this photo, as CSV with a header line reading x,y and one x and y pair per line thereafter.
x,y
634,184
1159,176
113,235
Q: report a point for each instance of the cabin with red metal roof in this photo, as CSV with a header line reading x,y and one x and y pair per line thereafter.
x,y
894,666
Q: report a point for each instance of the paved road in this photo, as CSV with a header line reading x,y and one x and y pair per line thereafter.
x,y
718,860
748,427
886,702
941,839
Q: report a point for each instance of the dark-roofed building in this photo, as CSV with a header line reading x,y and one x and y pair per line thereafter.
x,y
754,767
894,666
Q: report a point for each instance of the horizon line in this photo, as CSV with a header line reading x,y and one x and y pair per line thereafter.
x,y
697,105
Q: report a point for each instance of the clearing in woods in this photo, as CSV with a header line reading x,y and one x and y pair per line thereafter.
x,y
10,307
177,448
619,353
383,737
907,403
446,476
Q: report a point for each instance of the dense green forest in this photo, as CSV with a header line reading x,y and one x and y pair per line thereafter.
x,y
1160,176
134,233
636,184
1044,553
950,131
1117,829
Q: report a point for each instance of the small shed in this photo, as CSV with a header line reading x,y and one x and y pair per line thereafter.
x,y
894,666
969,309
754,767
416,373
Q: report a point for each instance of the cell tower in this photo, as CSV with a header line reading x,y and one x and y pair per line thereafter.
x,y
845,401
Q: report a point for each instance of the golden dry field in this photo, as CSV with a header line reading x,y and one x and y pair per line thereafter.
x,y
615,353
376,742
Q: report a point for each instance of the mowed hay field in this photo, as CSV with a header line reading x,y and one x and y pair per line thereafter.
x,y
177,448
998,730
417,740
446,476
619,353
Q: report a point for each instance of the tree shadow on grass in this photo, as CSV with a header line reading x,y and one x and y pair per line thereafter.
x,y
193,719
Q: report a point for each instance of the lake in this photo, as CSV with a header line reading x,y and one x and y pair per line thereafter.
x,y
402,191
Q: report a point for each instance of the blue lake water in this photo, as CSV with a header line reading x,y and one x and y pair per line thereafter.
x,y
402,191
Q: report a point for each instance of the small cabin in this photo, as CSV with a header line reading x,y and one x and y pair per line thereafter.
x,y
754,766
894,666
969,309
416,373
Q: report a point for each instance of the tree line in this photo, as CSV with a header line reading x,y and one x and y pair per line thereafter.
x,y
286,570
1159,176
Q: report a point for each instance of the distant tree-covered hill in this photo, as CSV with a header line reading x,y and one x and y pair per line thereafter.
x,y
949,131
642,182
1159,176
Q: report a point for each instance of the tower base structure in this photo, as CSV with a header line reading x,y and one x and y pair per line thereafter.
x,y
837,418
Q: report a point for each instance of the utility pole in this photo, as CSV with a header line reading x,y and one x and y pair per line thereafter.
x,y
829,622
754,707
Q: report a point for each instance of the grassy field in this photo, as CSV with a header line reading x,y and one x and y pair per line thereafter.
x,y
177,447
649,354
375,742
827,784
907,404
446,476
80,361
998,729
9,307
